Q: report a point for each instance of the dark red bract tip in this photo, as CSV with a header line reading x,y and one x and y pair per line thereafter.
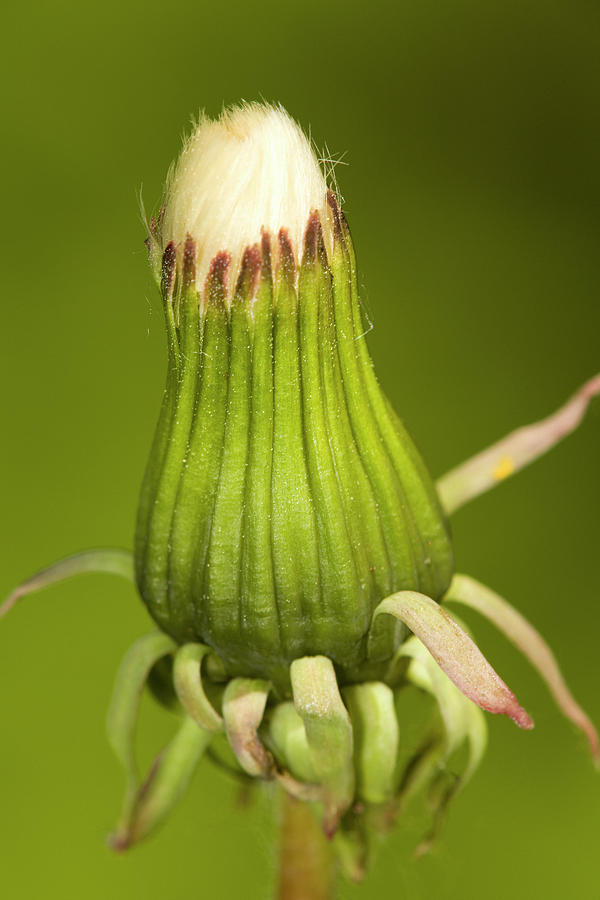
x,y
287,263
313,236
216,281
265,249
168,269
344,223
189,261
334,206
248,278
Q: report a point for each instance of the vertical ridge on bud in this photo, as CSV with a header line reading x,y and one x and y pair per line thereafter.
x,y
223,567
184,341
431,533
404,530
360,505
293,527
161,436
337,569
258,611
199,472
382,476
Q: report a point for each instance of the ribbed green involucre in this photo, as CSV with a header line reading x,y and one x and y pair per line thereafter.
x,y
283,498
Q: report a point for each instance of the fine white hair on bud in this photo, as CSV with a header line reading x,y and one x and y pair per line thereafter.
x,y
251,170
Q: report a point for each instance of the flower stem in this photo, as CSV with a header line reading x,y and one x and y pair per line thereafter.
x,y
306,861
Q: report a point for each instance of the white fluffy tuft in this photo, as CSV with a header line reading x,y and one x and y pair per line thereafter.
x,y
250,169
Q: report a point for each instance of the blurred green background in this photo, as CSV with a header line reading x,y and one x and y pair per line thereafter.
x,y
473,189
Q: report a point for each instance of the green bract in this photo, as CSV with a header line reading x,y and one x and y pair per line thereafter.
x,y
283,498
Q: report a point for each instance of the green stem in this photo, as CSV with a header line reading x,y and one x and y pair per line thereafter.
x,y
306,861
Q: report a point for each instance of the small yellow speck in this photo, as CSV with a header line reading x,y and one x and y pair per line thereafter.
x,y
504,468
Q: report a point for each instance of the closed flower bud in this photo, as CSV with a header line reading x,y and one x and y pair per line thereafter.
x,y
283,498
290,543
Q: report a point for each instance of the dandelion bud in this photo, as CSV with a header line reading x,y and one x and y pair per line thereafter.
x,y
290,543
283,499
